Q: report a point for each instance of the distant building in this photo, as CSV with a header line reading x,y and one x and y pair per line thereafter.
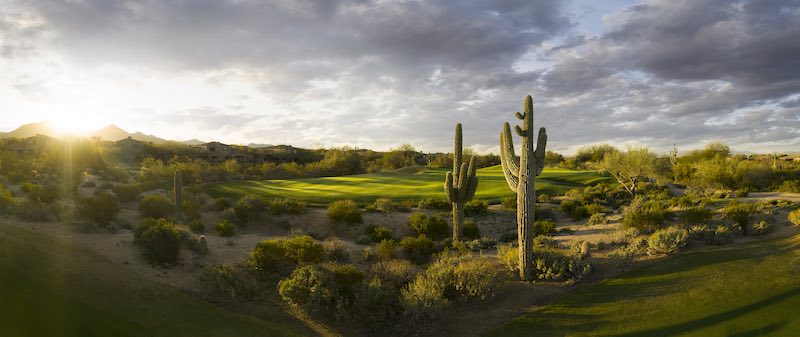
x,y
30,146
130,149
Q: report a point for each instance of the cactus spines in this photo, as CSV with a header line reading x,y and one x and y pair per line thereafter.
x,y
521,175
460,184
178,193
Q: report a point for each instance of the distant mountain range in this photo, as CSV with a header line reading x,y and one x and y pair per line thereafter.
x,y
110,133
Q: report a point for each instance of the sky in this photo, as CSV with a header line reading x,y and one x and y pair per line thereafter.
x,y
380,73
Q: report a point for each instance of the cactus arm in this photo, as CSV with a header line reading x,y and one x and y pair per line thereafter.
x,y
448,187
472,188
506,160
507,150
519,131
519,115
541,144
457,153
463,182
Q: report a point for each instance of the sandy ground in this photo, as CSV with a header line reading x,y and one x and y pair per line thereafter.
x,y
464,320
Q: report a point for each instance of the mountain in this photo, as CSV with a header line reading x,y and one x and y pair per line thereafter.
x,y
33,129
147,138
111,133
257,146
193,141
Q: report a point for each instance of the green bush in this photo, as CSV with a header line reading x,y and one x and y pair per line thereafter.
x,y
435,204
794,217
644,215
192,210
696,215
621,257
127,192
327,288
382,205
480,244
248,208
7,201
549,264
597,219
761,228
344,211
470,231
418,249
739,213
543,198
508,236
286,206
433,226
156,206
792,186
335,250
197,226
279,256
476,207
509,202
100,209
574,209
231,281
304,249
225,228
386,249
593,209
719,236
393,273
378,233
159,240
667,241
544,212
544,228
41,193
222,203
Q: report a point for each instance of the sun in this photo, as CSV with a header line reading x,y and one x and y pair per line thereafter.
x,y
72,123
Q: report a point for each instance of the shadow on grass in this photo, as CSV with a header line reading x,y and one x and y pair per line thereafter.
x,y
761,330
553,324
721,317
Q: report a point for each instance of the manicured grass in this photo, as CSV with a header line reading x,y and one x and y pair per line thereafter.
x,y
742,290
52,288
400,185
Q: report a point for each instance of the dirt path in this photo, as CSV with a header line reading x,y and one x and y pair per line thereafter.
x,y
774,196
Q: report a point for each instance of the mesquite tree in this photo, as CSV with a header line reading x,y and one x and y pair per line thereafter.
x,y
460,185
521,177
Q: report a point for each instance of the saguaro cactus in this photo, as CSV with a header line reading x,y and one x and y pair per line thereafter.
x,y
460,185
178,193
673,155
521,177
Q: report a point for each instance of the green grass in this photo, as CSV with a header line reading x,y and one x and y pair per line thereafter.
x,y
743,290
49,287
399,185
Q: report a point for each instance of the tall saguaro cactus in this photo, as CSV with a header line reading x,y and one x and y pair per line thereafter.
x,y
521,177
460,185
178,193
673,155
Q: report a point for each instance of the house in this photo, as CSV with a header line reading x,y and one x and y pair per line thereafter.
x,y
215,152
130,149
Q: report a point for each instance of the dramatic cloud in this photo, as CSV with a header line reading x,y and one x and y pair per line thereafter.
x,y
381,73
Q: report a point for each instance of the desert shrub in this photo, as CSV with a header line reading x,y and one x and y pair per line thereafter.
x,y
7,201
597,219
435,204
231,281
344,211
335,250
621,257
248,208
480,244
304,249
543,227
278,255
684,201
644,215
792,186
433,226
742,192
229,215
476,207
382,205
509,202
41,193
159,240
794,217
31,210
508,236
127,192
406,205
225,228
739,213
221,204
549,264
545,242
696,215
450,278
619,238
470,231
667,241
760,228
386,249
544,212
593,209
100,209
418,249
89,184
191,210
378,233
574,209
543,198
719,236
156,206
393,273
327,288
286,206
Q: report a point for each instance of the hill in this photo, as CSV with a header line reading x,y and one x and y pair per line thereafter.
x,y
398,185
743,290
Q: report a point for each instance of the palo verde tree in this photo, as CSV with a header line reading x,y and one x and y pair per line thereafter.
x,y
630,166
460,184
521,177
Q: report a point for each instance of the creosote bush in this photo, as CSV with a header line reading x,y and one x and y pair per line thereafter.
x,y
231,281
760,228
470,231
432,226
225,228
549,264
248,208
794,217
476,207
418,249
644,215
544,227
386,249
696,215
100,209
382,205
327,288
156,206
280,256
286,206
127,192
667,241
378,233
597,219
344,211
435,204
739,213
159,240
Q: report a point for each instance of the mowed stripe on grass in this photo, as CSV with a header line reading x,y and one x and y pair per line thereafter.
x,y
398,185
49,287
751,289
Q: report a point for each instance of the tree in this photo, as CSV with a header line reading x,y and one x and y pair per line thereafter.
x,y
627,167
